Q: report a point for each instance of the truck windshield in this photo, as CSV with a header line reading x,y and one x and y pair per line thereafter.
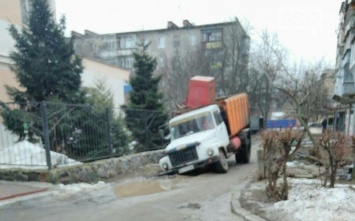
x,y
191,125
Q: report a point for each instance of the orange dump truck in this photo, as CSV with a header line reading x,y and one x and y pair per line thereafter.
x,y
208,133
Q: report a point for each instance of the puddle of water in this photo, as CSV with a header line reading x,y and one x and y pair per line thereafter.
x,y
139,188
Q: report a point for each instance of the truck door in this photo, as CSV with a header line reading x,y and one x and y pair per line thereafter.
x,y
221,128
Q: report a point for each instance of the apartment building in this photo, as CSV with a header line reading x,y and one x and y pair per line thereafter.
x,y
117,48
344,91
220,50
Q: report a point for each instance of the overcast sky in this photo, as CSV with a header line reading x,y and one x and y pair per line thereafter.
x,y
307,28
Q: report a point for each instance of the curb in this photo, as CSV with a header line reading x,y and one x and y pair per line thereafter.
x,y
23,194
34,190
239,211
23,198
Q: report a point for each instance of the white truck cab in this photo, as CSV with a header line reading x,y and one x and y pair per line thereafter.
x,y
198,138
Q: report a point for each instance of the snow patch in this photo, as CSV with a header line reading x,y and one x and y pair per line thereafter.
x,y
310,201
70,189
26,155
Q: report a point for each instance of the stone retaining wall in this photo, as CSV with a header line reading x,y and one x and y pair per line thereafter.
x,y
87,172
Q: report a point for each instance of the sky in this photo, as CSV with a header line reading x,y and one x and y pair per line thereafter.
x,y
308,29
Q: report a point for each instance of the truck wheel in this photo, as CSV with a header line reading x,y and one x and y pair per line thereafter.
x,y
243,155
222,165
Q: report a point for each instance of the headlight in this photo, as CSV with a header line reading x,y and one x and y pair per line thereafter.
x,y
165,166
209,151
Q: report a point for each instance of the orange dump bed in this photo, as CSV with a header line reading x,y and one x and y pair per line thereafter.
x,y
237,112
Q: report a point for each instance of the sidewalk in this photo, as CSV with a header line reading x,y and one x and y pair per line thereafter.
x,y
238,210
15,192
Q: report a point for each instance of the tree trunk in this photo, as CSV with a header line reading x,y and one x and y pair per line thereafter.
x,y
284,192
333,175
326,175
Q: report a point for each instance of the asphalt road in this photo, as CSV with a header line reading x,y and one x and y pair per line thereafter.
x,y
200,196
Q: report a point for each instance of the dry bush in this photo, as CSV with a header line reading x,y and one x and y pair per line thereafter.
x,y
277,151
333,149
353,156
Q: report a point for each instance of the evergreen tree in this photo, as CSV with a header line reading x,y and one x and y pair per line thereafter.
x,y
48,70
44,62
101,98
145,112
45,67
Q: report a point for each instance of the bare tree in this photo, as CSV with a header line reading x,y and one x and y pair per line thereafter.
x,y
333,149
264,72
278,150
300,83
233,75
176,72
225,60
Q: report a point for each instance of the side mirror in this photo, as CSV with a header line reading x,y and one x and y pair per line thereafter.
x,y
164,132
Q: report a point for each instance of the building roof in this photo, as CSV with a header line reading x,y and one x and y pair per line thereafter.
x,y
187,27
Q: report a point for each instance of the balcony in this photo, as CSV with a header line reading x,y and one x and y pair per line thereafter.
x,y
213,45
348,88
346,57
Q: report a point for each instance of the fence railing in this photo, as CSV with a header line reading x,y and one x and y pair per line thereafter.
x,y
48,134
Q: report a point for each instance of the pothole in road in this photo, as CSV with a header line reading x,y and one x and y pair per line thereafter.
x,y
142,187
190,206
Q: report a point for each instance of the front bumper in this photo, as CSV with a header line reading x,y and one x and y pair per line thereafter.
x,y
194,165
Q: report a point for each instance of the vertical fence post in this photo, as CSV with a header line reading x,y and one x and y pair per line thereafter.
x,y
349,120
109,132
46,133
146,126
334,121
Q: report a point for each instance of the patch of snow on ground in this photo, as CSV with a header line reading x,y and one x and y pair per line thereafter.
x,y
76,187
308,200
24,154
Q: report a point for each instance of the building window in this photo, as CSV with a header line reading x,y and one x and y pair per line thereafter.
x,y
108,45
161,42
125,61
130,61
25,10
212,35
161,60
176,41
146,42
352,57
192,39
127,42
348,76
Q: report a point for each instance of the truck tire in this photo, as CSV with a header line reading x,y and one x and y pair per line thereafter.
x,y
243,155
222,165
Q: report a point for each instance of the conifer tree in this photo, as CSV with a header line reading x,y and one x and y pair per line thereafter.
x,y
145,112
45,67
44,62
48,70
101,98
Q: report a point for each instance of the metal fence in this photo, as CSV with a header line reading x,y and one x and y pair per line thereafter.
x,y
47,134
